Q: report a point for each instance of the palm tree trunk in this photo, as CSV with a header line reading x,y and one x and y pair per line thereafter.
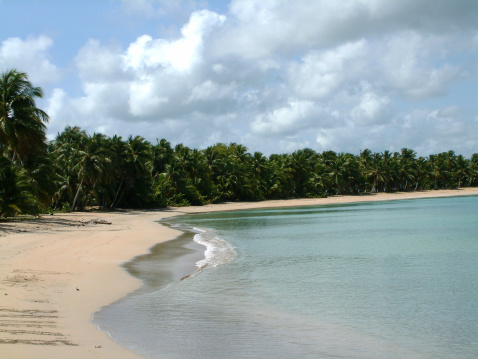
x,y
117,193
89,195
119,199
72,208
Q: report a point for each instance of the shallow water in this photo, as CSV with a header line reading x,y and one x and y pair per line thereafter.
x,y
378,280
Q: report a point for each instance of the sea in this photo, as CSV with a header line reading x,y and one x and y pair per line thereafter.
x,y
393,279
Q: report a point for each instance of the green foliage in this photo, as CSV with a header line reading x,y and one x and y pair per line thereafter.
x,y
25,174
22,128
16,195
77,170
97,170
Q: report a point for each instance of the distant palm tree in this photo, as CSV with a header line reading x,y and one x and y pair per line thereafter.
x,y
461,169
473,170
406,168
22,124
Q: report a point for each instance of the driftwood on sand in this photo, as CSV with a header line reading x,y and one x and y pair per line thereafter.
x,y
101,221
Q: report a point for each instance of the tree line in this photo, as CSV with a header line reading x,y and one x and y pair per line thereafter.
x,y
77,169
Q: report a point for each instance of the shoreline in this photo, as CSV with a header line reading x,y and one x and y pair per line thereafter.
x,y
59,270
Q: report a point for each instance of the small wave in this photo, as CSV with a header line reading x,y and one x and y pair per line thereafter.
x,y
217,252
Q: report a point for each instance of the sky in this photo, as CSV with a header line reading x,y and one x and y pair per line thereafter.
x,y
273,75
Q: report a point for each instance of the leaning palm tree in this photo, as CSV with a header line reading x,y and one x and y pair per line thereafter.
x,y
90,162
22,124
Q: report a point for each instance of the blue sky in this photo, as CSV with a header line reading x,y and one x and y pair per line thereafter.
x,y
275,76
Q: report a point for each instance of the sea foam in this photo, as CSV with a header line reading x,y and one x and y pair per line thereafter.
x,y
217,252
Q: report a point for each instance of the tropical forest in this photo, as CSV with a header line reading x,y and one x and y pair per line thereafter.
x,y
78,170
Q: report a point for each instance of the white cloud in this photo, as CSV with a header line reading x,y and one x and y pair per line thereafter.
x,y
425,131
143,100
30,56
97,63
321,74
288,120
372,109
64,111
211,91
409,65
276,76
263,27
148,80
147,54
433,131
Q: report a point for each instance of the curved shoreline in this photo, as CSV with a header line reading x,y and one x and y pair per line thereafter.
x,y
57,271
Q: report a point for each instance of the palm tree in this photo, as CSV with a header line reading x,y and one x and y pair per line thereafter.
x,y
422,174
22,124
42,176
366,161
341,172
16,195
438,171
302,163
406,170
461,169
473,170
63,150
261,174
162,155
84,157
137,169
88,164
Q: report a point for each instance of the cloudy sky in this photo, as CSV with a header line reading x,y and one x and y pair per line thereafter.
x,y
274,75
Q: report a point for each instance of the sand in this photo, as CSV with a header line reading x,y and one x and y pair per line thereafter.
x,y
56,271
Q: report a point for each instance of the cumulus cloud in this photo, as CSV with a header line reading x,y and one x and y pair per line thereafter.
x,y
30,56
98,63
372,109
262,28
404,64
150,78
276,76
410,65
65,111
426,131
288,120
147,54
320,74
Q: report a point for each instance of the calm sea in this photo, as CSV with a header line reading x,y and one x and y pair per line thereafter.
x,y
394,279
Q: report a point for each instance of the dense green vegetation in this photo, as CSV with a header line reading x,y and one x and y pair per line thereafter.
x,y
78,169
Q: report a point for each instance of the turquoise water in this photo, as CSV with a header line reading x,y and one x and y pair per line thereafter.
x,y
392,279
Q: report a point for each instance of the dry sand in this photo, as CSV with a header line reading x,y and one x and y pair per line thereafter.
x,y
55,272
